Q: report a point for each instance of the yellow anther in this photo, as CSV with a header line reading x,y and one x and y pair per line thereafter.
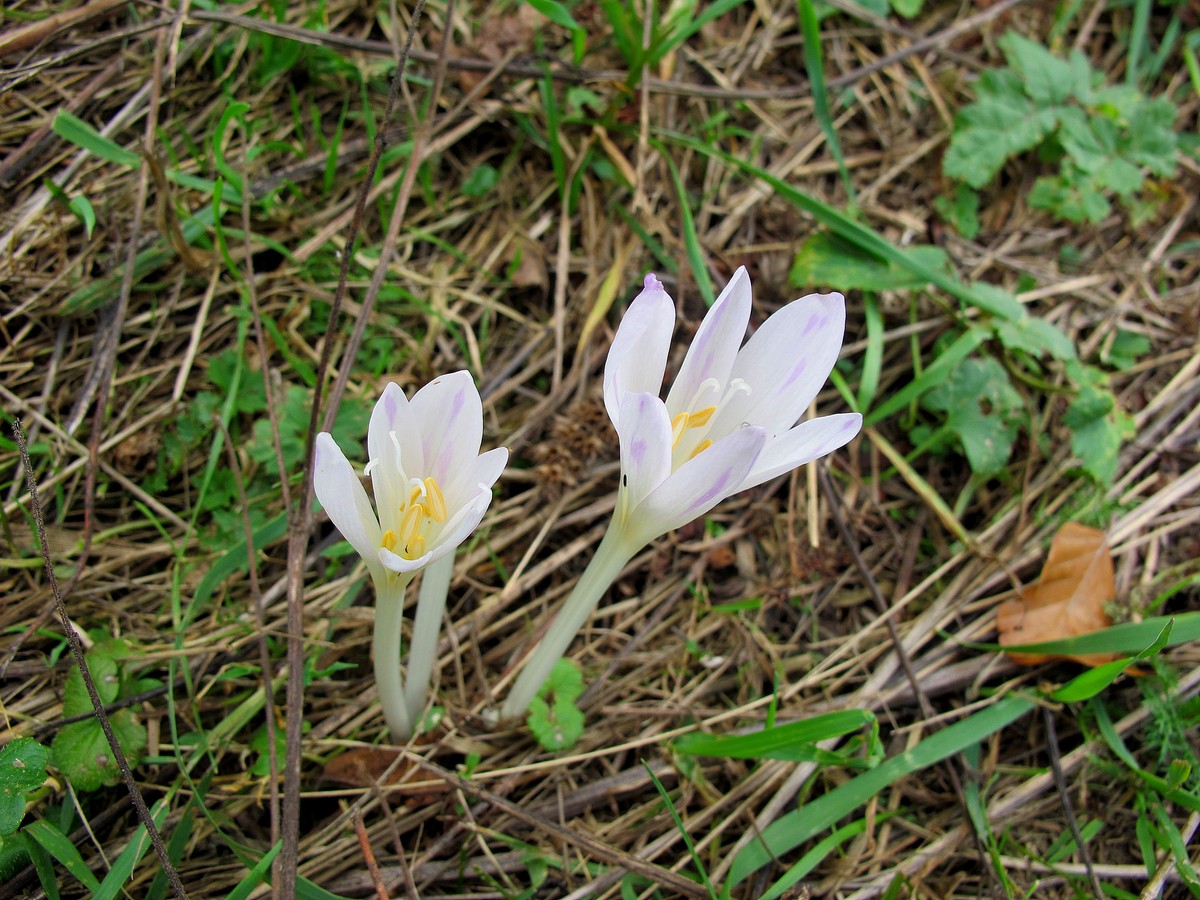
x,y
388,542
410,529
417,547
415,494
701,417
435,501
700,448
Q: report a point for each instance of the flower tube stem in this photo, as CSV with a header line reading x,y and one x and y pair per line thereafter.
x,y
386,644
431,605
615,550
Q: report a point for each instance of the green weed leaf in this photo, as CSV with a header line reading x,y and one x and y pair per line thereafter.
x,y
22,769
81,752
557,723
983,409
1098,428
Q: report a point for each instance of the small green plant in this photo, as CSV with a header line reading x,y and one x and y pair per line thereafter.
x,y
554,719
22,771
80,750
982,410
1103,138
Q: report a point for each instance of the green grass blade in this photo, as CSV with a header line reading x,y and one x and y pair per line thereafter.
x,y
793,829
123,867
935,373
58,846
84,136
1128,639
687,838
260,874
814,63
780,742
691,240
817,854
872,366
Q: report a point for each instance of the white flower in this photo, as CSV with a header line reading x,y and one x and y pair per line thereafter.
x,y
729,420
431,484
432,487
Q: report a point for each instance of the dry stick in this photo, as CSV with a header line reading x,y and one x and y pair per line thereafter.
x,y
299,517
1060,782
597,849
273,407
35,507
264,655
364,843
834,500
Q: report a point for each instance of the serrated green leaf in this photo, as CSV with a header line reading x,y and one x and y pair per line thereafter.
x,y
22,769
1048,80
981,407
1034,336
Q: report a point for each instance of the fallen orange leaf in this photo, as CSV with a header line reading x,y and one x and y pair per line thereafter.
x,y
1068,600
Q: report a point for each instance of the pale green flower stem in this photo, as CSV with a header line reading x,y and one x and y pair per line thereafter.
x,y
431,606
615,550
386,645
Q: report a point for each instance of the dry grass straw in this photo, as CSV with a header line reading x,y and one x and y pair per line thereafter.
x,y
502,283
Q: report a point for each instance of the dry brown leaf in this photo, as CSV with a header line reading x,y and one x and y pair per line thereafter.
x,y
366,766
1067,600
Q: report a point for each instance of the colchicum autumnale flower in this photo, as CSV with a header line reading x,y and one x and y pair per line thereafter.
x,y
728,424
432,487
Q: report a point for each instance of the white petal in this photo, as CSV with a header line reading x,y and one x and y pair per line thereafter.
x,y
449,419
645,433
343,498
392,414
637,358
807,441
396,563
699,484
786,362
462,522
482,471
715,347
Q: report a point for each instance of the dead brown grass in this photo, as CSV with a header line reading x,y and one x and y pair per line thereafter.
x,y
102,372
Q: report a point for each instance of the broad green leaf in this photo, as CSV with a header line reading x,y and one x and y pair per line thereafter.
x,y
983,408
22,769
825,259
81,751
1098,429
1048,80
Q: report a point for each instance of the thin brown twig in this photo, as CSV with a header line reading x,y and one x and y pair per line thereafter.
x,y
299,515
135,795
364,843
1060,782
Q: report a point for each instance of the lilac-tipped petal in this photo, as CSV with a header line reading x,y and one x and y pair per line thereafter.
x,y
449,419
715,347
786,362
807,441
645,434
637,358
342,496
392,413
700,483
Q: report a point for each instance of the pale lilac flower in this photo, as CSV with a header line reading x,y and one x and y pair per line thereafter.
x,y
729,420
728,424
